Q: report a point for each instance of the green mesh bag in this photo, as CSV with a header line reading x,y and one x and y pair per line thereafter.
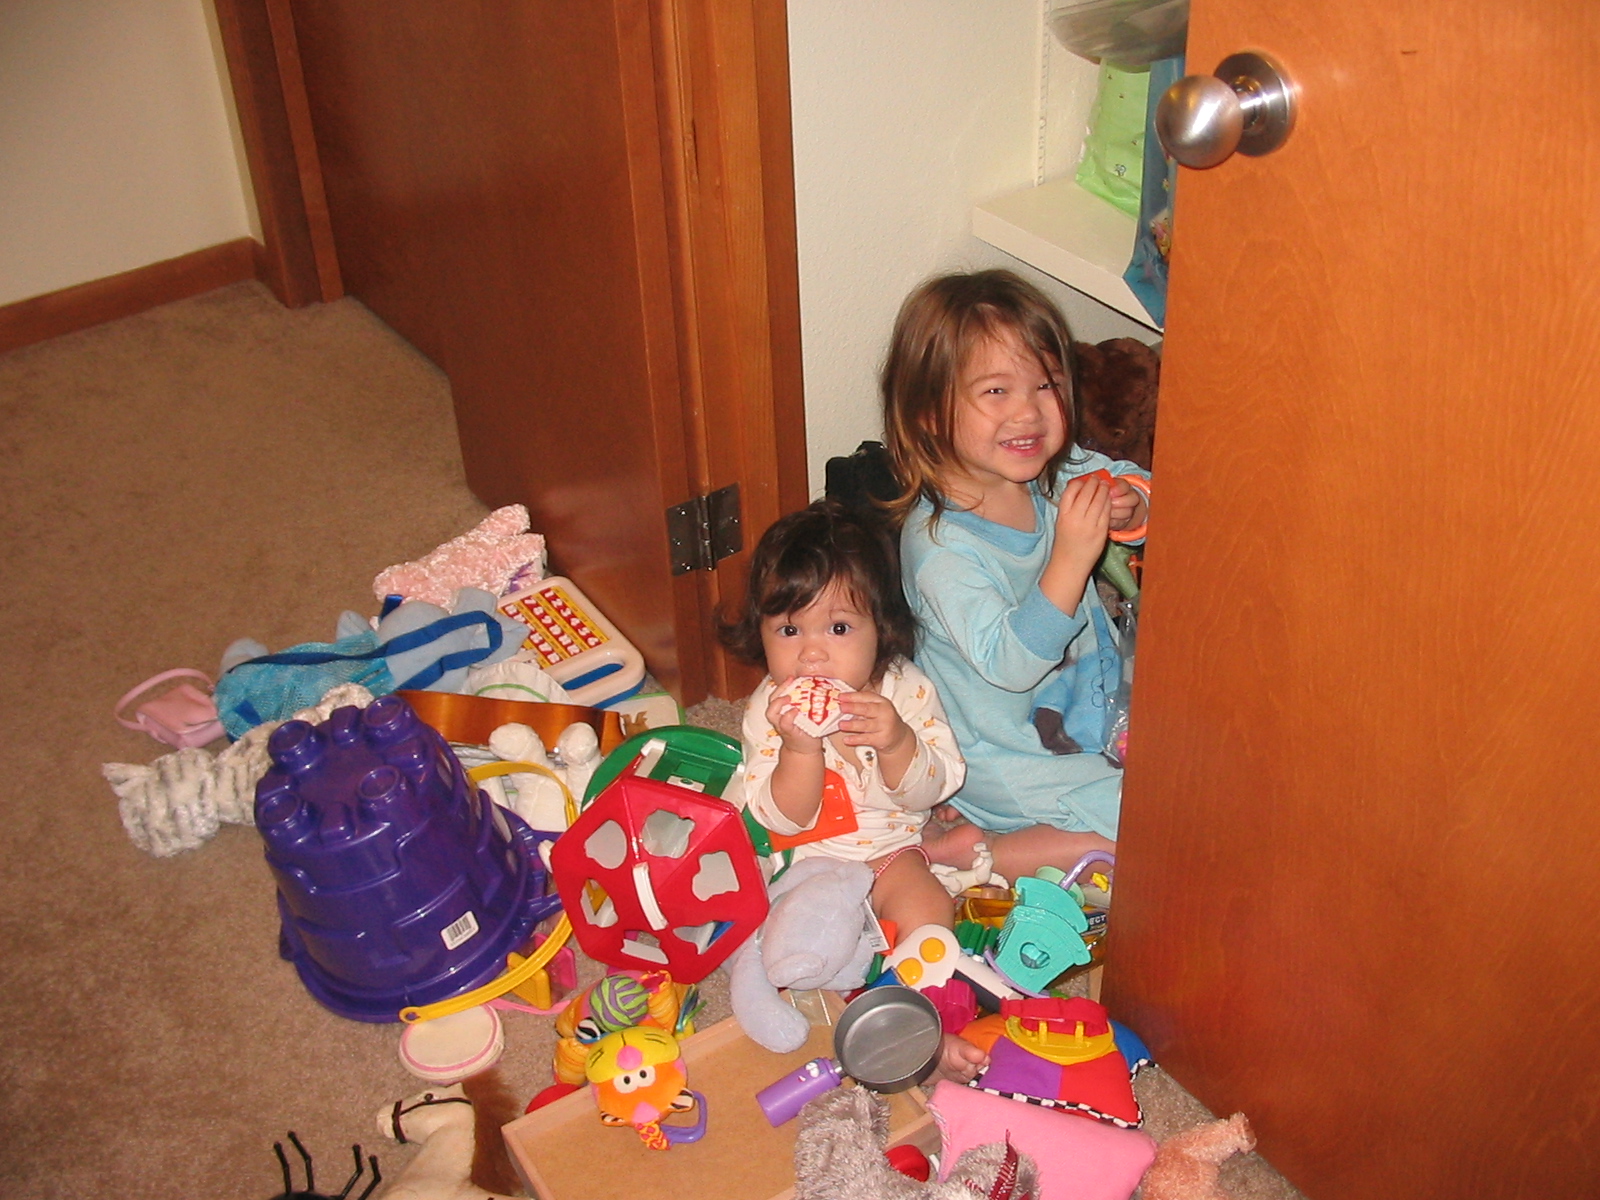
x,y
1112,166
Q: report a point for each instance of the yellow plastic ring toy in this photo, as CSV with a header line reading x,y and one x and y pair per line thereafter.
x,y
490,770
498,986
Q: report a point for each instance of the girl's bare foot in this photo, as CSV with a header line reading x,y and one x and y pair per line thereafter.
x,y
959,1059
950,845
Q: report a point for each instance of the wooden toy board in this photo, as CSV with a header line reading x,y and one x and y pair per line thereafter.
x,y
564,1153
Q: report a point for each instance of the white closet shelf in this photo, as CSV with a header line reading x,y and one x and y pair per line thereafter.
x,y
1069,234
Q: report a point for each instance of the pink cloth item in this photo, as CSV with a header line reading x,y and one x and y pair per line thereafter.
x,y
487,556
1077,1159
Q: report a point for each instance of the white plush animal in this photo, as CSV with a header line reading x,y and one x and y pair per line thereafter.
x,y
178,802
460,1153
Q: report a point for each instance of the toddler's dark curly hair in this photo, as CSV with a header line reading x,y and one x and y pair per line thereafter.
x,y
801,554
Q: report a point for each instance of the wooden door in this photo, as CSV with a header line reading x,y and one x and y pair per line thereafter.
x,y
1357,896
584,214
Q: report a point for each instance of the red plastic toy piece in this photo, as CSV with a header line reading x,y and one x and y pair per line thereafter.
x,y
653,875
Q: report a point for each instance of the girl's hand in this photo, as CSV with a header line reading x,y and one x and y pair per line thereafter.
x,y
782,712
1083,523
871,720
1127,505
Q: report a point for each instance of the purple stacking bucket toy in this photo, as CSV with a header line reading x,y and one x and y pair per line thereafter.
x,y
399,882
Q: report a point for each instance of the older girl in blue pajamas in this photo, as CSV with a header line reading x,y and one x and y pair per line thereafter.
x,y
1004,522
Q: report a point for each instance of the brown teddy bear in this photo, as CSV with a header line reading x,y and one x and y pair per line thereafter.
x,y
1117,382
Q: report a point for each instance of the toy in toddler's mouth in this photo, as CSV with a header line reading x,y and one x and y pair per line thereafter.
x,y
816,702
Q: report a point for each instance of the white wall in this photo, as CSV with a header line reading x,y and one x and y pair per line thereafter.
x,y
116,149
906,113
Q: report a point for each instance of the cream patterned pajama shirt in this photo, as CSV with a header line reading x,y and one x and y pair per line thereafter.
x,y
888,819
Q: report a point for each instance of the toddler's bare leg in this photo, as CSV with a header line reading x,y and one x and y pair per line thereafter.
x,y
908,894
1026,850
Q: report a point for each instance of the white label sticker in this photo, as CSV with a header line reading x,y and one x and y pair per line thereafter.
x,y
459,930
874,931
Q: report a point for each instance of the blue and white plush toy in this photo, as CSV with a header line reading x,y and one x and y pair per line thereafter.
x,y
416,645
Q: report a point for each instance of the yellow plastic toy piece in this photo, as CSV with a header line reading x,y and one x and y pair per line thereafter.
x,y
1062,1049
522,971
534,990
501,984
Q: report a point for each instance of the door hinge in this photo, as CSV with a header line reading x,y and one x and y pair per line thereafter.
x,y
704,531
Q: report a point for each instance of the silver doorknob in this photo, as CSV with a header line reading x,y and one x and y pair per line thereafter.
x,y
1248,106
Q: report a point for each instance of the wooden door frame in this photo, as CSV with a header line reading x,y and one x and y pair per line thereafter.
x,y
296,258
726,160
723,82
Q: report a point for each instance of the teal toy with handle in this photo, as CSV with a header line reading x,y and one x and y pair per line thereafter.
x,y
1042,936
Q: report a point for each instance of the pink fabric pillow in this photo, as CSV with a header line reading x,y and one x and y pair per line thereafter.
x,y
1079,1159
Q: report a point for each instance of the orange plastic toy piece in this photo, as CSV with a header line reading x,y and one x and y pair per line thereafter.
x,y
836,816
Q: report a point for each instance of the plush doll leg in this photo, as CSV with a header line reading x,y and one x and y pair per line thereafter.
x,y
815,936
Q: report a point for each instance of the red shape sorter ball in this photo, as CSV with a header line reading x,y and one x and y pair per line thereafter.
x,y
653,875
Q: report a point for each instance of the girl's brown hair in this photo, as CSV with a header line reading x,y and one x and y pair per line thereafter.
x,y
938,328
801,554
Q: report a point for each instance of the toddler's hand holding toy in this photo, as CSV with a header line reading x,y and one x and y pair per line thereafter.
x,y
1129,508
872,720
1083,517
784,713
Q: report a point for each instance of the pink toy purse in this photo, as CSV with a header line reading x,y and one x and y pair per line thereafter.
x,y
182,716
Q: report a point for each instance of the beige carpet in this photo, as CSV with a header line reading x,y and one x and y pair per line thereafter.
x,y
210,470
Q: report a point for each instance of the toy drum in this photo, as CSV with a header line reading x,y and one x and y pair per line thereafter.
x,y
448,1049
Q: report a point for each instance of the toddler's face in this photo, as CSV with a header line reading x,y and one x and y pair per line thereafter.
x,y
831,636
1008,416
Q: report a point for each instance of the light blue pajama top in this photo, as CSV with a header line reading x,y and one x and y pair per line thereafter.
x,y
997,648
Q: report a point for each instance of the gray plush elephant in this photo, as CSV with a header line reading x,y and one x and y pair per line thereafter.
x,y
816,935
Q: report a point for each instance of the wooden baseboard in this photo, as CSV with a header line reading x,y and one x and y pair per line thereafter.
x,y
42,317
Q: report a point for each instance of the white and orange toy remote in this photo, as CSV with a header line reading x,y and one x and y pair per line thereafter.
x,y
816,701
570,638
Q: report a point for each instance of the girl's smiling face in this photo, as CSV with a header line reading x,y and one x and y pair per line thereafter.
x,y
1009,417
831,636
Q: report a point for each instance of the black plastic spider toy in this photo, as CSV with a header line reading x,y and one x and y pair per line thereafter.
x,y
310,1192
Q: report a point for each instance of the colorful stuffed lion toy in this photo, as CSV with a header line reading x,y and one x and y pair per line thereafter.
x,y
638,1079
618,1001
